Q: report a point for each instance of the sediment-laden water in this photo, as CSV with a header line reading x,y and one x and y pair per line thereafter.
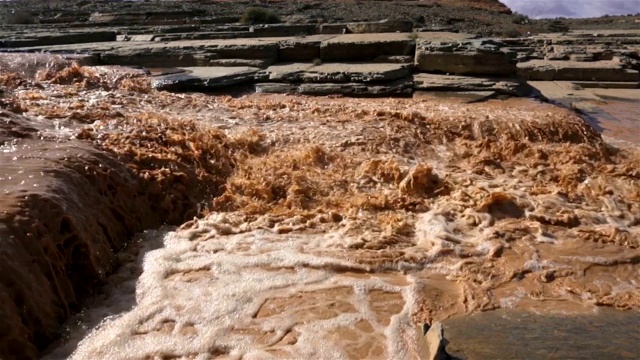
x,y
333,226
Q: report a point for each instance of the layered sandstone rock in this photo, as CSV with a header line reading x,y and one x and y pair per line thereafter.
x,y
469,57
365,47
577,71
432,82
202,78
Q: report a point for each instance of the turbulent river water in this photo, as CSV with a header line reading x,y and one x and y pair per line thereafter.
x,y
342,224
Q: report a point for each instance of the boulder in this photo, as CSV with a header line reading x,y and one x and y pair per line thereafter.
x,y
365,47
432,82
203,78
481,57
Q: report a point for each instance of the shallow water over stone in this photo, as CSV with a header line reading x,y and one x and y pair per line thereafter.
x,y
617,119
516,334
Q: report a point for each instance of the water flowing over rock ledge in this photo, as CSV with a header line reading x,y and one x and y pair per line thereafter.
x,y
442,208
390,214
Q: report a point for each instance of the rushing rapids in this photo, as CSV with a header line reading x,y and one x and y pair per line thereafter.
x,y
331,227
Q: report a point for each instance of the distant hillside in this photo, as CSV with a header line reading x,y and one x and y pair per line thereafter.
x,y
493,5
574,8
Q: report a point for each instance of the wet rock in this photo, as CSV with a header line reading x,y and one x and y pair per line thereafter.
x,y
334,72
432,82
339,72
565,336
402,87
202,78
51,38
432,343
482,57
365,47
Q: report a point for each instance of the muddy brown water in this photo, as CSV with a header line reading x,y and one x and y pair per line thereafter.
x,y
284,283
616,118
343,223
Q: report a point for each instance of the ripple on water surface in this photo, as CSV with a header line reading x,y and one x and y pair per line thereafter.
x,y
616,119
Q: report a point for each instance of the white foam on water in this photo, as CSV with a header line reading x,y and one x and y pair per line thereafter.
x,y
202,293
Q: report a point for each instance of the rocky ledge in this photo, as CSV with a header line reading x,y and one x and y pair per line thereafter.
x,y
366,64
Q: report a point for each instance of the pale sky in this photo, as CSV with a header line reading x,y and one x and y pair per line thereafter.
x,y
573,8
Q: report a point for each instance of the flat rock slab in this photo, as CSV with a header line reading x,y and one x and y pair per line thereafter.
x,y
173,54
365,47
548,70
284,72
432,82
479,57
57,38
402,87
340,72
335,72
203,78
301,48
